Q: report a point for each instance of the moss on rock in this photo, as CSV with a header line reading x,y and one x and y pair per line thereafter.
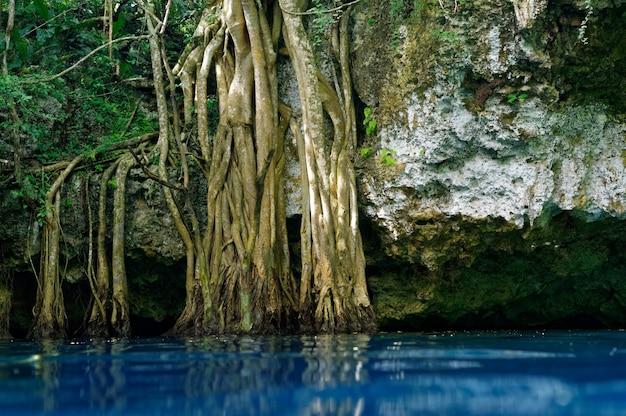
x,y
156,290
569,274
5,309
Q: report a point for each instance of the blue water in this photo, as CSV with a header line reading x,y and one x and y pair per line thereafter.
x,y
452,373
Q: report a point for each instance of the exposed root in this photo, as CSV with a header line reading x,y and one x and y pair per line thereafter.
x,y
333,291
120,310
238,265
98,321
238,277
49,311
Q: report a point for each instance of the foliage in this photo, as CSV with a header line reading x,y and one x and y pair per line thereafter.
x,y
387,157
25,100
369,122
184,18
366,152
325,14
448,36
33,193
401,9
396,8
75,113
511,98
50,33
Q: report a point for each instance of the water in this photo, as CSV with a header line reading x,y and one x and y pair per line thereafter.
x,y
453,373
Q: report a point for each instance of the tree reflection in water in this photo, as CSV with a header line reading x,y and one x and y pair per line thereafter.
x,y
476,374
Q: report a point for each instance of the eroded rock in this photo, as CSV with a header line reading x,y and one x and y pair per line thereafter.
x,y
507,140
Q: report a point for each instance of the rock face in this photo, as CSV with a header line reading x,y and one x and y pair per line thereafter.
x,y
154,250
501,195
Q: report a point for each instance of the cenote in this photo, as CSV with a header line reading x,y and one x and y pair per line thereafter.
x,y
434,191
444,373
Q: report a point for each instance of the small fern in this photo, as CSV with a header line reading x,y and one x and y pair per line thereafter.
x,y
369,122
387,157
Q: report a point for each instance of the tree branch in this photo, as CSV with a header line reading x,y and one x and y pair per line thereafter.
x,y
83,59
314,11
152,176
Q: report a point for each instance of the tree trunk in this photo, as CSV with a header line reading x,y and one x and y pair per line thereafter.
x,y
333,292
50,318
238,274
241,279
98,321
120,311
49,310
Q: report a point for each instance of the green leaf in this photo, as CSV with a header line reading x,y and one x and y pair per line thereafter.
x,y
118,25
511,98
20,44
42,9
369,122
371,127
387,157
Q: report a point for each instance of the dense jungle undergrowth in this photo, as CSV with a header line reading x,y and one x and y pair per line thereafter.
x,y
183,92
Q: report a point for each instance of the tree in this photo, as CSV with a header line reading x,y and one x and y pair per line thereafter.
x,y
238,275
88,122
333,291
238,270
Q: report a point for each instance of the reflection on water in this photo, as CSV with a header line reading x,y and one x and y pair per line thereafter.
x,y
388,374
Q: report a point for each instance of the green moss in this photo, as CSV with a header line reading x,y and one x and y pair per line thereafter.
x,y
392,307
156,290
5,307
593,71
567,273
406,49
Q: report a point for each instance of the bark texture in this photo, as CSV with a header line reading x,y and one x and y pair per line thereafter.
x,y
238,274
333,291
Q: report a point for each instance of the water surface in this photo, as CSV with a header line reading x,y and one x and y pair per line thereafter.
x,y
452,373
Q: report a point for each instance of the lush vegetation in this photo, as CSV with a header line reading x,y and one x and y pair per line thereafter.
x,y
54,117
103,88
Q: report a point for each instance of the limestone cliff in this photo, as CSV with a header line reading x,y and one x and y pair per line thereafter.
x,y
504,201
